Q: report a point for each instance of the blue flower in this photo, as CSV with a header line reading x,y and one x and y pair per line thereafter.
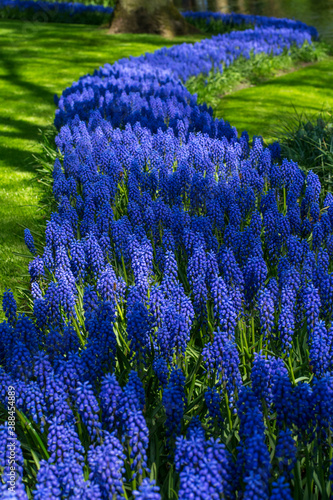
x,y
106,463
281,490
29,241
88,408
9,306
147,491
174,402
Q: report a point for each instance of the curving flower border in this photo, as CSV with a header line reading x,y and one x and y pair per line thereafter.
x,y
175,240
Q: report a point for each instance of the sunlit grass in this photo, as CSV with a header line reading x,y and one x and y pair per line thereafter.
x,y
261,109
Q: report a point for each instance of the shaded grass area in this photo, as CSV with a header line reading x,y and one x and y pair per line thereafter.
x,y
262,109
37,61
309,141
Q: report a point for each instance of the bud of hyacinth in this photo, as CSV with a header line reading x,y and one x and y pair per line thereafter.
x,y
9,306
63,442
322,404
29,241
88,408
18,494
317,236
197,265
10,447
282,391
200,294
227,362
213,402
86,490
133,424
266,312
230,269
286,325
196,458
106,463
138,329
253,460
280,490
311,301
94,255
321,349
21,361
48,485
255,486
108,285
147,491
255,274
224,310
285,451
261,377
174,402
170,267
109,396
161,370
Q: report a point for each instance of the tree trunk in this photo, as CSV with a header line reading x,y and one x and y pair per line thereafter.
x,y
159,17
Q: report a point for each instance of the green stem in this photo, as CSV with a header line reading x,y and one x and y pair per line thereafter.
x,y
26,424
308,477
78,331
291,370
321,474
120,311
242,348
284,201
228,410
124,269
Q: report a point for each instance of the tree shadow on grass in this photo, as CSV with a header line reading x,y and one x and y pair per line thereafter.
x,y
14,77
20,129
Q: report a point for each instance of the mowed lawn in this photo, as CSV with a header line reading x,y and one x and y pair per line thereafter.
x,y
262,109
37,61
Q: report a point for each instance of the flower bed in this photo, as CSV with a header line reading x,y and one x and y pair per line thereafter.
x,y
212,21
182,304
57,12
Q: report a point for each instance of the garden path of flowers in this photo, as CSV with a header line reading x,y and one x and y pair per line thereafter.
x,y
181,339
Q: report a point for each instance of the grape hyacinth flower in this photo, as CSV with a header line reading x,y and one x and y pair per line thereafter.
x,y
9,306
106,463
88,408
147,491
174,402
29,241
280,490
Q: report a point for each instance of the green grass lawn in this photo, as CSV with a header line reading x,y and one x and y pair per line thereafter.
x,y
37,61
262,109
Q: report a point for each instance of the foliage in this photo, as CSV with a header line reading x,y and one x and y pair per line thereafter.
x,y
309,141
56,12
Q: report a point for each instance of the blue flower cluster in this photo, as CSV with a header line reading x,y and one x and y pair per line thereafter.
x,y
240,20
63,12
185,289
